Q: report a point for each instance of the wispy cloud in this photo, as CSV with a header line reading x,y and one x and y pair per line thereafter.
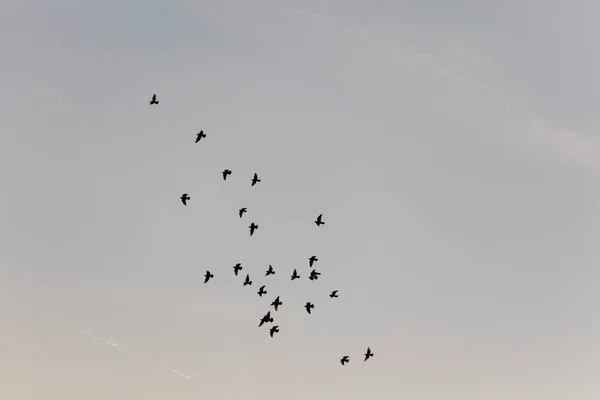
x,y
108,342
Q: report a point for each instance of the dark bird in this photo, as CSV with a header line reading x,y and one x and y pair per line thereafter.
x,y
184,198
270,271
274,329
247,281
200,135
253,227
314,275
295,275
319,220
153,101
207,276
237,268
344,360
312,260
225,173
265,319
242,211
255,179
334,294
368,354
262,291
309,306
276,303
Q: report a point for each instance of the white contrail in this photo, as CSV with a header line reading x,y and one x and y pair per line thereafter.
x,y
98,338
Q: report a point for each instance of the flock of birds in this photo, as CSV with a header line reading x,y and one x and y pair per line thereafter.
x,y
314,275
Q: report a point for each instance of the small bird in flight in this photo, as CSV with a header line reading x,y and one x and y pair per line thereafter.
x,y
344,360
276,303
319,220
207,276
225,173
242,211
237,268
255,179
312,260
309,306
274,329
247,281
265,319
184,198
270,271
295,275
153,101
368,354
334,294
262,291
200,135
253,227
314,275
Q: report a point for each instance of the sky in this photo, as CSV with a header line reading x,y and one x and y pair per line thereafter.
x,y
453,150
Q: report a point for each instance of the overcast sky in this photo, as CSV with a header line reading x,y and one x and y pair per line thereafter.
x,y
452,147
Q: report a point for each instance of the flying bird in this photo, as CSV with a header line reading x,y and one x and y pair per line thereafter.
x,y
265,319
276,303
270,271
309,306
153,101
319,220
314,275
274,329
334,294
295,275
207,276
344,360
255,179
225,173
262,291
237,268
242,211
247,281
312,260
368,354
184,198
200,135
253,227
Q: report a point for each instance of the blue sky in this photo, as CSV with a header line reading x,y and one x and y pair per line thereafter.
x,y
453,151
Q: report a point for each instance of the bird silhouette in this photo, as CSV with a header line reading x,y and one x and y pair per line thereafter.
x,y
207,276
334,294
200,135
309,306
344,360
237,268
242,211
247,281
274,329
319,220
253,227
153,101
270,271
255,179
184,198
225,173
314,275
276,303
312,260
295,275
265,319
368,354
262,291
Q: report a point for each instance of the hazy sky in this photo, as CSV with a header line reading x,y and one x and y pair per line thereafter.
x,y
452,147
